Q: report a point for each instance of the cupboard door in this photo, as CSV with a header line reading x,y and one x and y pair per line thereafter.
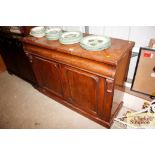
x,y
48,75
82,89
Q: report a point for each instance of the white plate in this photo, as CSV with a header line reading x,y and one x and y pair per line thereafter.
x,y
37,35
37,30
53,31
70,35
95,43
91,40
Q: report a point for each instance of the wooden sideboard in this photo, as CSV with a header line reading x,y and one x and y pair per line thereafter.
x,y
81,80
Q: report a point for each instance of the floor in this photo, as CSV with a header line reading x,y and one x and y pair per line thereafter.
x,y
23,107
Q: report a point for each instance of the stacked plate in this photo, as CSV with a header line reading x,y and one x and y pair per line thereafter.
x,y
38,32
53,33
91,43
70,37
95,43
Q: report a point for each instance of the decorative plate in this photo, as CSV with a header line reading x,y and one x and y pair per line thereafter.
x,y
53,33
38,35
142,119
95,43
70,37
38,31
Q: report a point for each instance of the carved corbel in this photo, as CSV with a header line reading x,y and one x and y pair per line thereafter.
x,y
110,84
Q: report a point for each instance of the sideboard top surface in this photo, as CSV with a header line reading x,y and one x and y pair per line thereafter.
x,y
111,55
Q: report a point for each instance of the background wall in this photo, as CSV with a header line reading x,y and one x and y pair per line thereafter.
x,y
141,35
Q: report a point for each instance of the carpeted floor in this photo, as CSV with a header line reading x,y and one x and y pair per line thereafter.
x,y
22,107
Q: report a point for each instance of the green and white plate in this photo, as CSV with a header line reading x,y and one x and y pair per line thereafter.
x,y
37,35
38,32
95,43
70,37
53,33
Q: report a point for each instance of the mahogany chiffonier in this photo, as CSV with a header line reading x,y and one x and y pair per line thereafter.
x,y
81,80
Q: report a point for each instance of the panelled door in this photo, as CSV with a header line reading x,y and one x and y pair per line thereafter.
x,y
83,90
48,75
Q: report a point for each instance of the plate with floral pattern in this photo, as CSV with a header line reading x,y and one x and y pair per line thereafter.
x,y
53,33
95,43
38,32
70,37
